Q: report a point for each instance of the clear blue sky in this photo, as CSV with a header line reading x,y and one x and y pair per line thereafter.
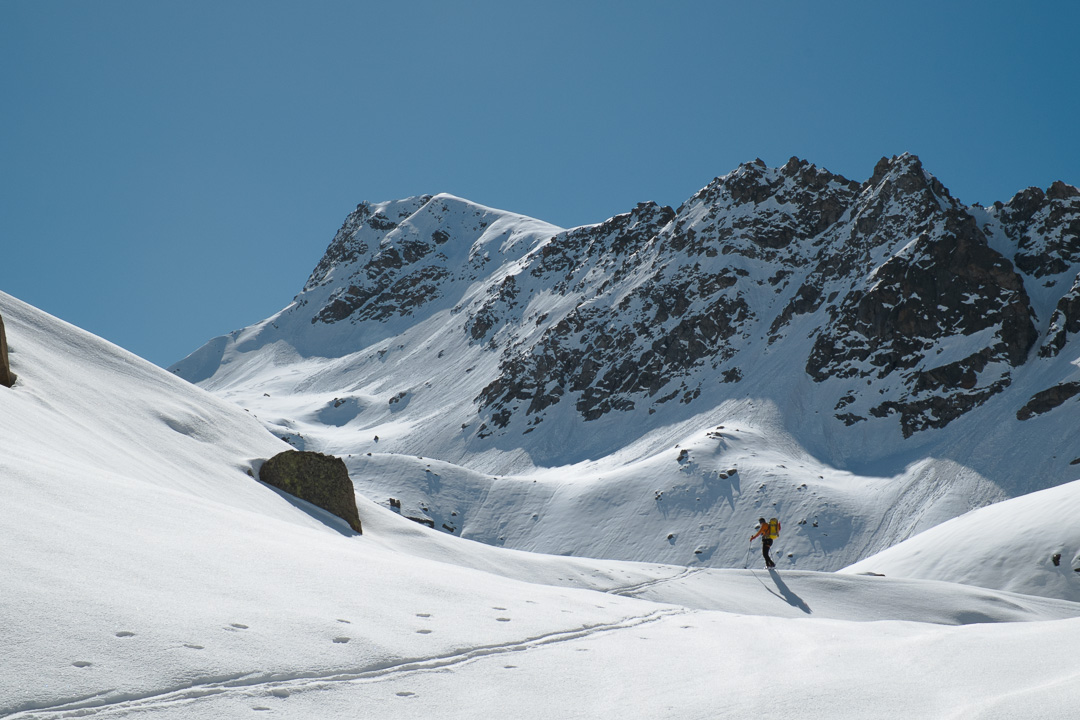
x,y
171,171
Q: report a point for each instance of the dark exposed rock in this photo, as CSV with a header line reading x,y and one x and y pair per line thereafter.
x,y
1064,322
7,378
634,358
380,222
494,308
947,283
951,285
1062,191
393,268
610,244
1047,400
1045,227
348,246
396,296
322,480
807,299
793,203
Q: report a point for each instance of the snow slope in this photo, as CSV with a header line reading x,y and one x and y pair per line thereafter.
x,y
1030,543
146,574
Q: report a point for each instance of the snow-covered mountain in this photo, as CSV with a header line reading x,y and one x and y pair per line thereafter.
x,y
864,360
147,573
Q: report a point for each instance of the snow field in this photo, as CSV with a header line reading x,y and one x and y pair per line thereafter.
x,y
146,574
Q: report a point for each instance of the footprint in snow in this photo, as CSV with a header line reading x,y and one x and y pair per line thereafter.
x,y
82,664
194,647
424,615
236,626
406,693
503,619
342,640
125,634
423,632
344,621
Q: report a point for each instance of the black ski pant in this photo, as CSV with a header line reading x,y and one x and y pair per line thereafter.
x,y
766,543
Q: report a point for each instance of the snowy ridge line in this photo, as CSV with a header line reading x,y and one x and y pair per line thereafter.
x,y
630,590
281,687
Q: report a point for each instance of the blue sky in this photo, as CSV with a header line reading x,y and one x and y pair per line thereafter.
x,y
171,171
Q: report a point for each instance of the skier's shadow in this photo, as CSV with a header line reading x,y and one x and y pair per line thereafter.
x,y
786,594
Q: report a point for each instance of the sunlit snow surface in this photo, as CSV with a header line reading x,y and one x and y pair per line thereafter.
x,y
146,574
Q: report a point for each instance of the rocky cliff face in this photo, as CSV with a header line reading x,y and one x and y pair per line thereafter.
x,y
933,281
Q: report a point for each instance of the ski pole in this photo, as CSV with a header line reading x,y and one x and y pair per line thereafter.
x,y
746,561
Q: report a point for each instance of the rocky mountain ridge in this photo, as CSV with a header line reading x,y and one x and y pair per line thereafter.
x,y
893,270
869,326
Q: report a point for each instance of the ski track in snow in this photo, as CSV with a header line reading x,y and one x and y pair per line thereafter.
x,y
254,686
631,590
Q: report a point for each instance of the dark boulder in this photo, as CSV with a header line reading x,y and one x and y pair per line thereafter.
x,y
322,480
7,378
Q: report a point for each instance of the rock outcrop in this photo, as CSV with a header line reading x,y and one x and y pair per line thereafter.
x,y
1047,400
7,378
322,480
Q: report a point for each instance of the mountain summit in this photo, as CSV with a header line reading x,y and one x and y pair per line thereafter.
x,y
786,338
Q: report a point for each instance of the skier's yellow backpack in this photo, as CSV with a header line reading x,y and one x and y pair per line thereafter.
x,y
774,529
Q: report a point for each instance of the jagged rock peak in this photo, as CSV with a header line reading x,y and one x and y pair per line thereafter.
x,y
1062,191
368,222
810,175
754,182
1032,199
904,174
390,259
